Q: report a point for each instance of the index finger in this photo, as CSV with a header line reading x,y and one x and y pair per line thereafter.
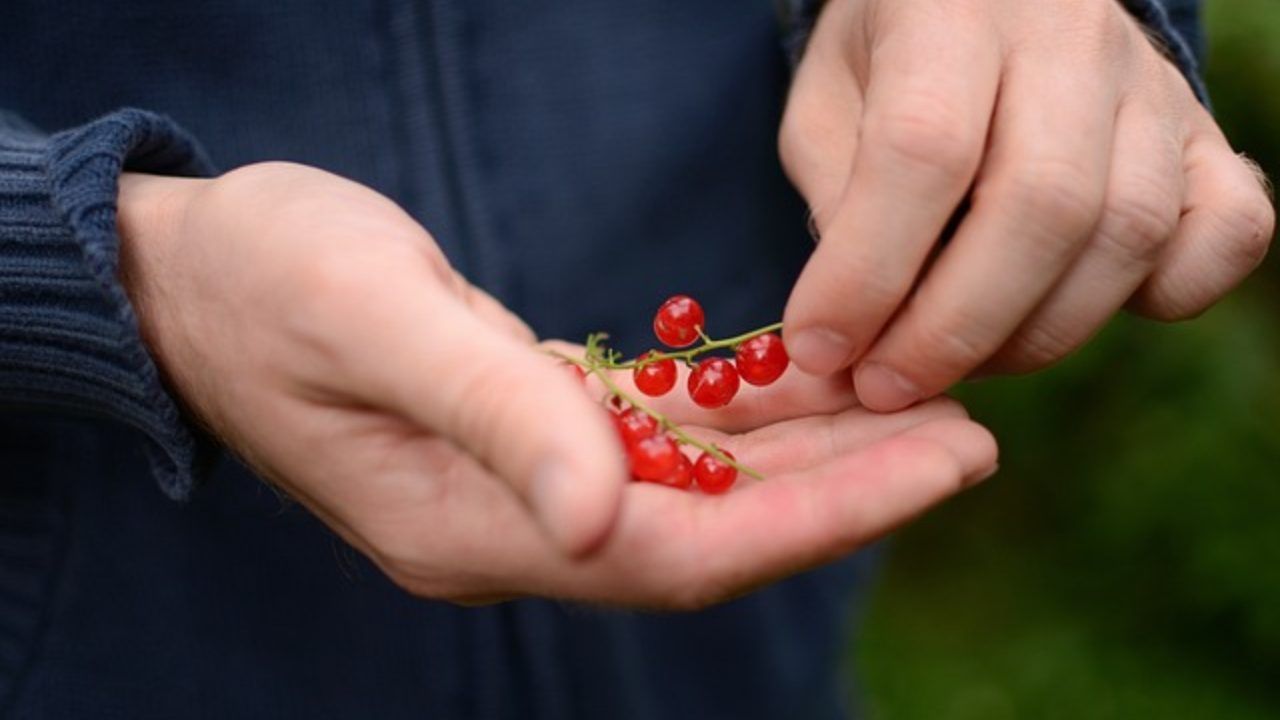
x,y
933,80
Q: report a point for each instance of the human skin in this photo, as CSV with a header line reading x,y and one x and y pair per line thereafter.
x,y
1096,181
317,330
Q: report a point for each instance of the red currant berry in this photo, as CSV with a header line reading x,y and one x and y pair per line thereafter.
x,y
713,383
682,477
678,321
654,458
762,359
713,475
635,425
655,378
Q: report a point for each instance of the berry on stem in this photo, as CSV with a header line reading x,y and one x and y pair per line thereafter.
x,y
654,458
651,440
634,426
713,383
682,477
678,321
655,378
712,475
762,359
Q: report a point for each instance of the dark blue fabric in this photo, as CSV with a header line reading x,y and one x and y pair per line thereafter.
x,y
582,160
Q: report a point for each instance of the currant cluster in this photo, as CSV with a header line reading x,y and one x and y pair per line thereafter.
x,y
652,442
655,456
759,359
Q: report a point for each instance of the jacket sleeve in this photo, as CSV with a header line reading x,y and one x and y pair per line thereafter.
x,y
69,340
1175,23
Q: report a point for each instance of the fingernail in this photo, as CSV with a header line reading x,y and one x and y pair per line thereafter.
x,y
550,496
883,389
819,350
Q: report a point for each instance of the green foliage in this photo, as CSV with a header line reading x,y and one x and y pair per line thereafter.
x,y
1125,563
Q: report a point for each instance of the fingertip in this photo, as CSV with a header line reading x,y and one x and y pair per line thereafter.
x,y
818,350
576,492
883,389
577,504
972,445
541,431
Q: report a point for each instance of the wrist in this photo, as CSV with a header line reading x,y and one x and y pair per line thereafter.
x,y
149,214
149,221
149,207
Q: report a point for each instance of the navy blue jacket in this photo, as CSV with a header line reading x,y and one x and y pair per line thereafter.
x,y
579,159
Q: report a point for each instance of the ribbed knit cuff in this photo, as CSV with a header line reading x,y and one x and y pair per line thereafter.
x,y
797,18
69,340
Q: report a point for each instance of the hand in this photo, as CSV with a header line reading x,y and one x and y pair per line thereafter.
x,y
319,331
1096,180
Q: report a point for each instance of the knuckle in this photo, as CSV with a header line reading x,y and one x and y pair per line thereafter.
x,y
870,279
952,343
815,148
929,132
1137,225
1038,346
1054,193
486,401
1098,26
1061,195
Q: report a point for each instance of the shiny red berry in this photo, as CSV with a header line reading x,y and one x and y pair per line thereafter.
x,y
713,383
682,477
762,359
654,458
678,320
635,425
655,378
713,475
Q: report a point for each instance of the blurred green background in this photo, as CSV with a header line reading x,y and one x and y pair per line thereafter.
x,y
1125,562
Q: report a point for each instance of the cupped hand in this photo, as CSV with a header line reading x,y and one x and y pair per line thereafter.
x,y
319,331
321,334
1094,178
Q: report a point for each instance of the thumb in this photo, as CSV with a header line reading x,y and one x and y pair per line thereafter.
x,y
511,407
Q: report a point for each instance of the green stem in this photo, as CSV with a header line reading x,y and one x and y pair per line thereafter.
x,y
686,355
